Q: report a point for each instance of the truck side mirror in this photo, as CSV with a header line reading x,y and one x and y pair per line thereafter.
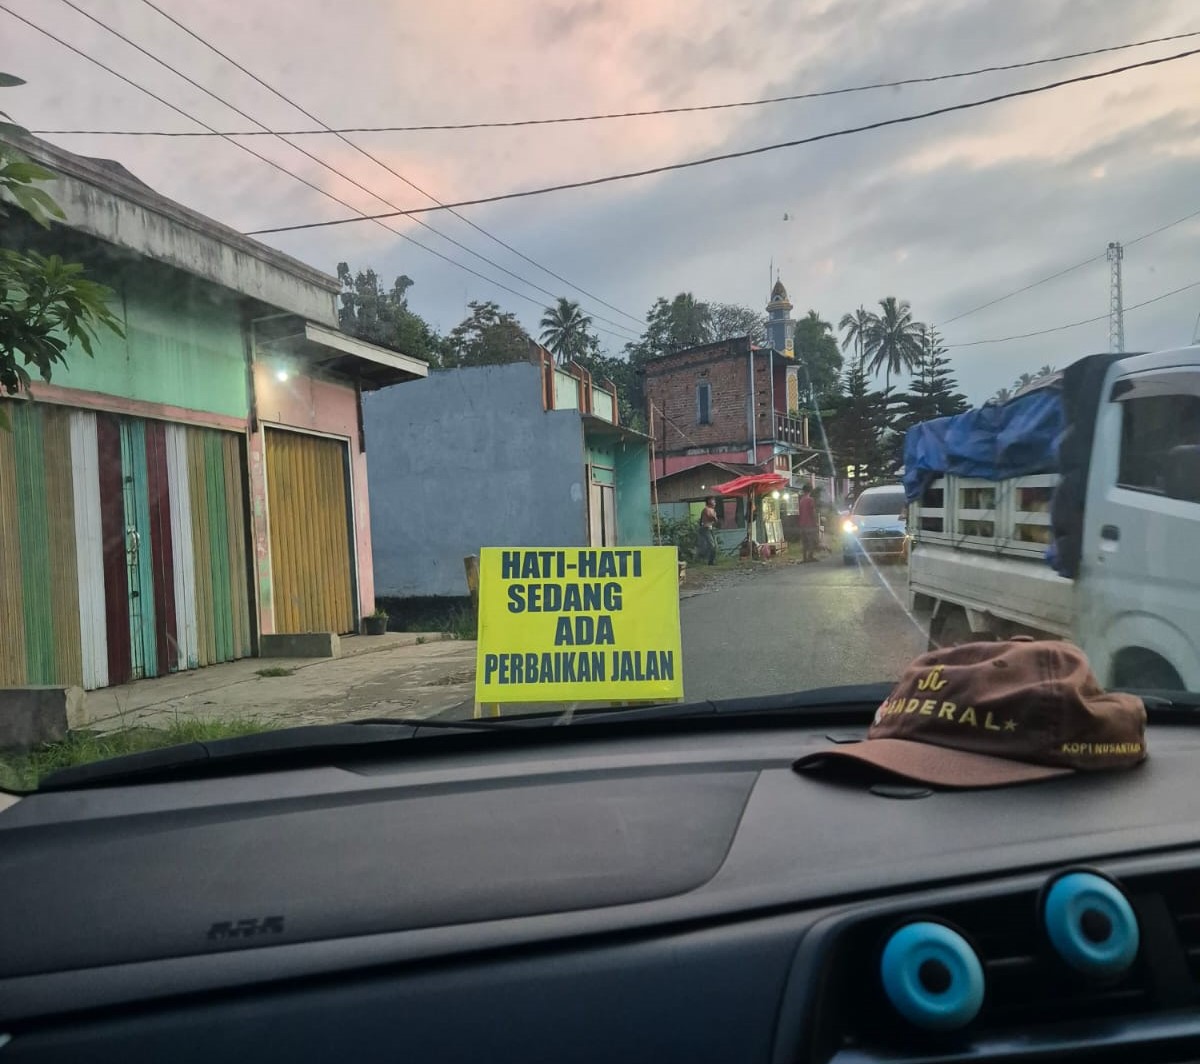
x,y
1183,473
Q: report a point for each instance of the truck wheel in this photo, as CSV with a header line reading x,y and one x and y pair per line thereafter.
x,y
1138,669
950,631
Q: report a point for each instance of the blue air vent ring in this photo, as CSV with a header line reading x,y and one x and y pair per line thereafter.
x,y
932,976
1090,924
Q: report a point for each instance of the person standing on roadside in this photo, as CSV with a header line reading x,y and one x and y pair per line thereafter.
x,y
806,518
708,531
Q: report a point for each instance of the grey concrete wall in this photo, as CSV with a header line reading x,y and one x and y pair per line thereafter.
x,y
108,202
30,716
464,459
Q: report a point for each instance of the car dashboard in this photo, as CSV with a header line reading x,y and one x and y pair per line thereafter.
x,y
668,893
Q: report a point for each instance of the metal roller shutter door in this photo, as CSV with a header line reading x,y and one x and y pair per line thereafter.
x,y
308,504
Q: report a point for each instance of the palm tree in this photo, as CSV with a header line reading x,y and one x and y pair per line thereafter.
x,y
1003,395
854,327
894,342
1023,380
815,318
565,330
1046,371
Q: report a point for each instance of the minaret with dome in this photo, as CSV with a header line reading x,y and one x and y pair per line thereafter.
x,y
781,333
781,327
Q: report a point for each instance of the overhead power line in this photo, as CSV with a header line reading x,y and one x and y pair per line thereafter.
x,y
746,153
262,158
1076,324
1068,269
1024,288
1162,228
395,173
320,162
612,115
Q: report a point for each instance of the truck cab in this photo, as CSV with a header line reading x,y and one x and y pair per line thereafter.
x,y
1137,596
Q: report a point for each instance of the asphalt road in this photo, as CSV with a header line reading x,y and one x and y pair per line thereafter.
x,y
795,627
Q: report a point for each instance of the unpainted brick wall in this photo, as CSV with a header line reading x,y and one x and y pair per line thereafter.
x,y
671,384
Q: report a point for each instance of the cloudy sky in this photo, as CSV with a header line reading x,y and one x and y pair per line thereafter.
x,y
949,213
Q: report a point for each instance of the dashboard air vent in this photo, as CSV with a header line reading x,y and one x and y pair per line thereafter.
x,y
1026,984
1182,896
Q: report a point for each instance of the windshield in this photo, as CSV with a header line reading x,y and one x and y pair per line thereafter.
x,y
873,504
336,385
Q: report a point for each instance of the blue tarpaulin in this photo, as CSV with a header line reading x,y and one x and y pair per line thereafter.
x,y
993,442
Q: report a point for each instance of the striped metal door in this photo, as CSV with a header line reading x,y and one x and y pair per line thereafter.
x,y
12,597
213,500
160,550
114,547
186,647
123,548
39,602
89,548
176,579
308,505
139,549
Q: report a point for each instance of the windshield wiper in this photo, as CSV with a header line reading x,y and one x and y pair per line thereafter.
x,y
313,744
1168,707
837,701
310,742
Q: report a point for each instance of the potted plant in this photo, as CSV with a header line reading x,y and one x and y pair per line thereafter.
x,y
376,623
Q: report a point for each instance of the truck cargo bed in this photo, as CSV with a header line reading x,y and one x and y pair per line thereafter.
x,y
980,545
1022,590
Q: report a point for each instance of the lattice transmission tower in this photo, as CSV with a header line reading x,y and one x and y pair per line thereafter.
x,y
1116,299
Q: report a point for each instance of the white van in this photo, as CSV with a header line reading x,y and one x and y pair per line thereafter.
x,y
875,525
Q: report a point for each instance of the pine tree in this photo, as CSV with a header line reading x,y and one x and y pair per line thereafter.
x,y
942,387
857,424
933,394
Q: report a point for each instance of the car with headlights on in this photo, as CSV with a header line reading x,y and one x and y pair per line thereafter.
x,y
876,525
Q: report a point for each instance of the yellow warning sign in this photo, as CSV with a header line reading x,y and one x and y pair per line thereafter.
x,y
578,625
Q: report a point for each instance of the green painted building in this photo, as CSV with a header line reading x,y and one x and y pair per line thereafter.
x,y
199,485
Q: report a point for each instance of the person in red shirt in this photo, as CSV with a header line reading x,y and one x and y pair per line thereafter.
x,y
806,518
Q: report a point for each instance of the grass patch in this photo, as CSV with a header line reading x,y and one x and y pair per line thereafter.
x,y
453,617
275,670
462,624
421,640
21,772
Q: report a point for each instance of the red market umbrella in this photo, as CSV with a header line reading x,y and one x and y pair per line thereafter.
x,y
753,483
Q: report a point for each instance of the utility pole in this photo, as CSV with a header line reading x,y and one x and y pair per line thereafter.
x,y
1116,300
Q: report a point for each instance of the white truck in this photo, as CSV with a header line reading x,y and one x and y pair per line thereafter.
x,y
1122,510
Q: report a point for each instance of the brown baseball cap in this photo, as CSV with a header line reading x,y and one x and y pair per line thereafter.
x,y
993,714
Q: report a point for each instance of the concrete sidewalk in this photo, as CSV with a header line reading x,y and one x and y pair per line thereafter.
x,y
400,674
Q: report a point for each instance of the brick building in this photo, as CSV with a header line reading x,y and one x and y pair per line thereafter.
x,y
732,401
732,404
725,402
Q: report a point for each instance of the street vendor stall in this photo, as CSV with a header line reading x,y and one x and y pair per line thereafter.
x,y
764,526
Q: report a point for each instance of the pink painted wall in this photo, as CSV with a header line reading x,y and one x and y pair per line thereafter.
x,y
306,403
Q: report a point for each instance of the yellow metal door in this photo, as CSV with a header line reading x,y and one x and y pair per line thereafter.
x,y
308,505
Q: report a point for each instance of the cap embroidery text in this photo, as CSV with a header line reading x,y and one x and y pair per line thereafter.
x,y
930,707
